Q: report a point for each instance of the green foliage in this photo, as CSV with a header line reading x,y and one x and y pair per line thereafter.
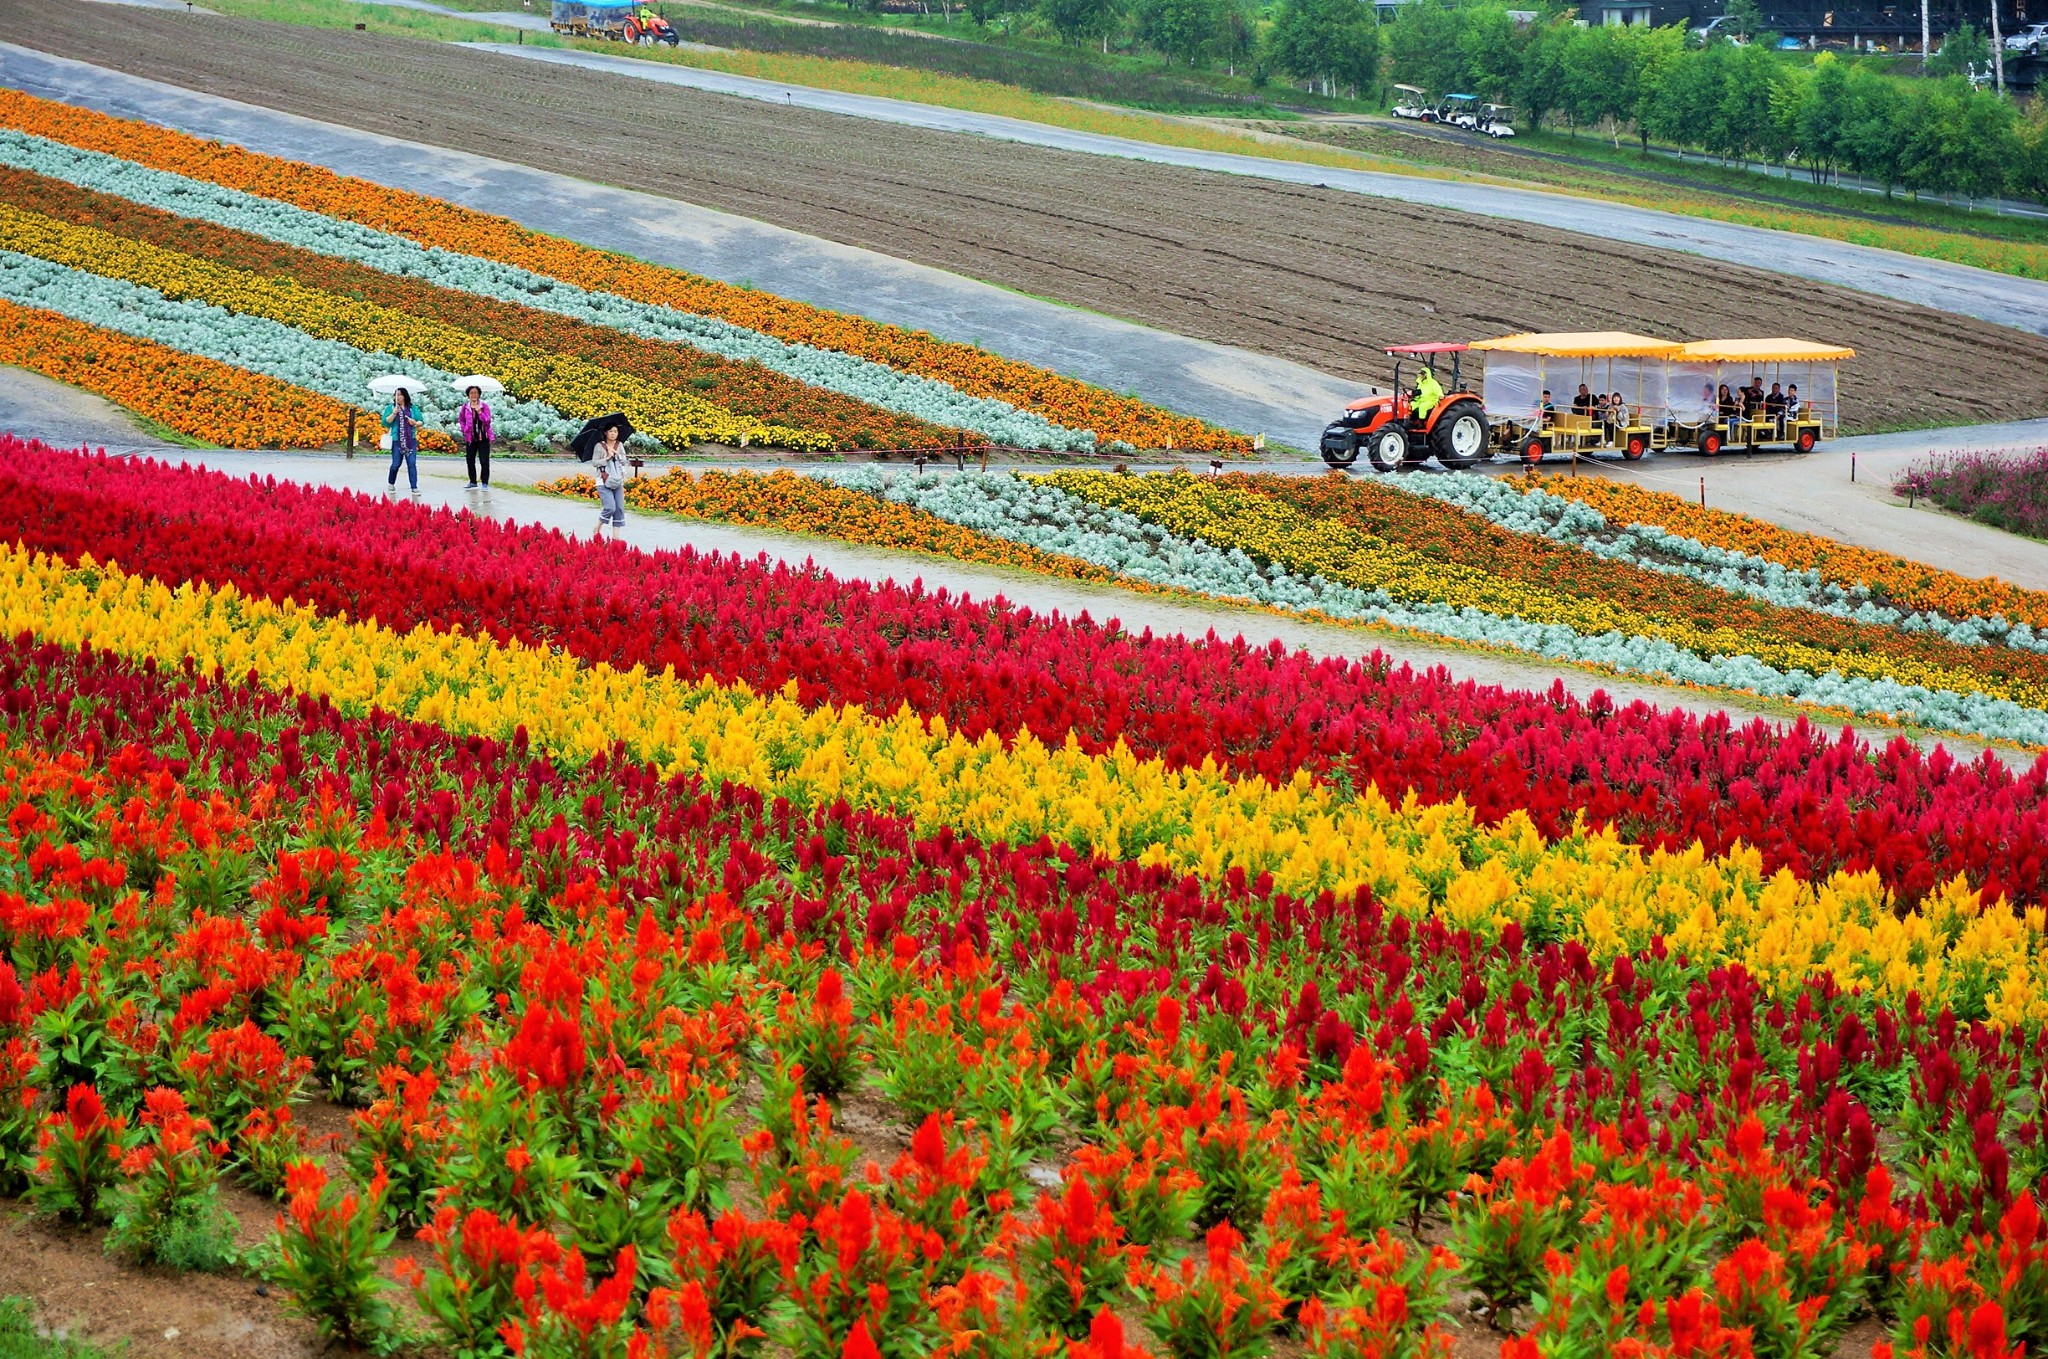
x,y
20,1338
1962,49
1332,42
1743,102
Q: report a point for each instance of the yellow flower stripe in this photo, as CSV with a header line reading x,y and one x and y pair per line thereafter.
x,y
571,385
1417,859
1899,579
1270,531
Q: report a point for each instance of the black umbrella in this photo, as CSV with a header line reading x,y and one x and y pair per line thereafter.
x,y
592,434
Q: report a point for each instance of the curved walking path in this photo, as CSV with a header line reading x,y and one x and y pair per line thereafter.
x,y
1999,298
1231,387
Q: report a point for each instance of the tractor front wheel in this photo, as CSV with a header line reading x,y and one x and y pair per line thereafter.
x,y
1387,448
1342,457
1458,438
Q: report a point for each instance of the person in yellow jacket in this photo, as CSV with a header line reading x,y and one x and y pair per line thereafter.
x,y
1428,392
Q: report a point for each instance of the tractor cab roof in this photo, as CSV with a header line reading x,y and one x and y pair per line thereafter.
x,y
1435,347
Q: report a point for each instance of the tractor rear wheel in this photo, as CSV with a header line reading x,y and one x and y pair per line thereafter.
x,y
1710,442
1636,446
1387,448
1458,438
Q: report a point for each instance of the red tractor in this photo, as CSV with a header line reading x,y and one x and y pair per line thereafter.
x,y
1390,434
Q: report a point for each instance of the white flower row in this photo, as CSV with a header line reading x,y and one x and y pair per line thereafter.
x,y
1006,506
1537,513
848,374
259,345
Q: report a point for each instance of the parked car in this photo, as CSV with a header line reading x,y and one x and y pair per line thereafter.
x,y
2030,40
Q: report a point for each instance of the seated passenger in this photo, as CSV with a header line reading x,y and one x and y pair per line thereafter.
x,y
1774,403
1547,408
1726,404
1753,399
1585,403
1792,402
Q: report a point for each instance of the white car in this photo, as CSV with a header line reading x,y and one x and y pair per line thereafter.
x,y
2030,40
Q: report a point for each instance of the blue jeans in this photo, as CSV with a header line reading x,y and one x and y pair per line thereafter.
x,y
611,505
411,458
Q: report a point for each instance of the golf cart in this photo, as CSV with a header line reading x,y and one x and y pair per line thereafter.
x,y
1521,369
1496,120
1391,434
1412,104
1696,373
1459,110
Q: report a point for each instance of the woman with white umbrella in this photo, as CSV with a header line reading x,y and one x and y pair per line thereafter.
x,y
474,423
405,439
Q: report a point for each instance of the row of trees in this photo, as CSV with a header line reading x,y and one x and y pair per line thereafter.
x,y
1745,103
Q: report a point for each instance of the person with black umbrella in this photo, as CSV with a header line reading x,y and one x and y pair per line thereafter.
x,y
609,458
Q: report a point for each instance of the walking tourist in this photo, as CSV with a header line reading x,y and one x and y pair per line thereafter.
x,y
475,425
611,479
405,439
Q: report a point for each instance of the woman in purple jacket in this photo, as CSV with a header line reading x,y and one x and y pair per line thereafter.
x,y
474,422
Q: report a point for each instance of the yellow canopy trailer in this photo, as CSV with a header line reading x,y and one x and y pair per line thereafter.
x,y
1801,412
1520,368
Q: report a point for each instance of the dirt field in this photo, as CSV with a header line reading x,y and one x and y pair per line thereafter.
x,y
1312,275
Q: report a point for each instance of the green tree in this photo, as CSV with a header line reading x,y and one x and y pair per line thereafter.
x,y
1334,43
1180,29
1079,20
1960,50
1541,90
1491,48
1823,118
1873,134
1422,46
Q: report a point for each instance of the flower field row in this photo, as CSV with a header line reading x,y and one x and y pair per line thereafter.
x,y
572,386
1662,779
201,397
797,504
1110,1097
252,344
1908,582
1528,511
872,399
1316,532
605,279
1422,861
746,388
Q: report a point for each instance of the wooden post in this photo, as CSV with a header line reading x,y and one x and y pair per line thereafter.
x,y
351,433
1703,492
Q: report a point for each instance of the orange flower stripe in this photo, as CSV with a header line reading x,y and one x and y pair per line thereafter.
x,y
201,397
431,221
808,505
1903,581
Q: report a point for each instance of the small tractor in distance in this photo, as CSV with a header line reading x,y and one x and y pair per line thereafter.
x,y
1390,434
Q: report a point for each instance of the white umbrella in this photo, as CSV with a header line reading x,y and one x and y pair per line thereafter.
x,y
391,382
490,385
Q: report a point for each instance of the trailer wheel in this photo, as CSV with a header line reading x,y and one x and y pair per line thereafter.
x,y
1532,450
1806,440
1386,448
1710,442
1635,448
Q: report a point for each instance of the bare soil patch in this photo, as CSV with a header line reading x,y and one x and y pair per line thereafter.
x,y
1318,276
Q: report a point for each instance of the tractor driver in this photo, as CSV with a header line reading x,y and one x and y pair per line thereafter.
x,y
1428,392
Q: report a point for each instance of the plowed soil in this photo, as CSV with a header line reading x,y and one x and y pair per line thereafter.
x,y
1313,275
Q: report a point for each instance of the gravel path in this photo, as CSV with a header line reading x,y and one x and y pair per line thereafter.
x,y
1316,278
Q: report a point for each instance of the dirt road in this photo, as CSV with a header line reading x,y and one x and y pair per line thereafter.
x,y
1312,275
